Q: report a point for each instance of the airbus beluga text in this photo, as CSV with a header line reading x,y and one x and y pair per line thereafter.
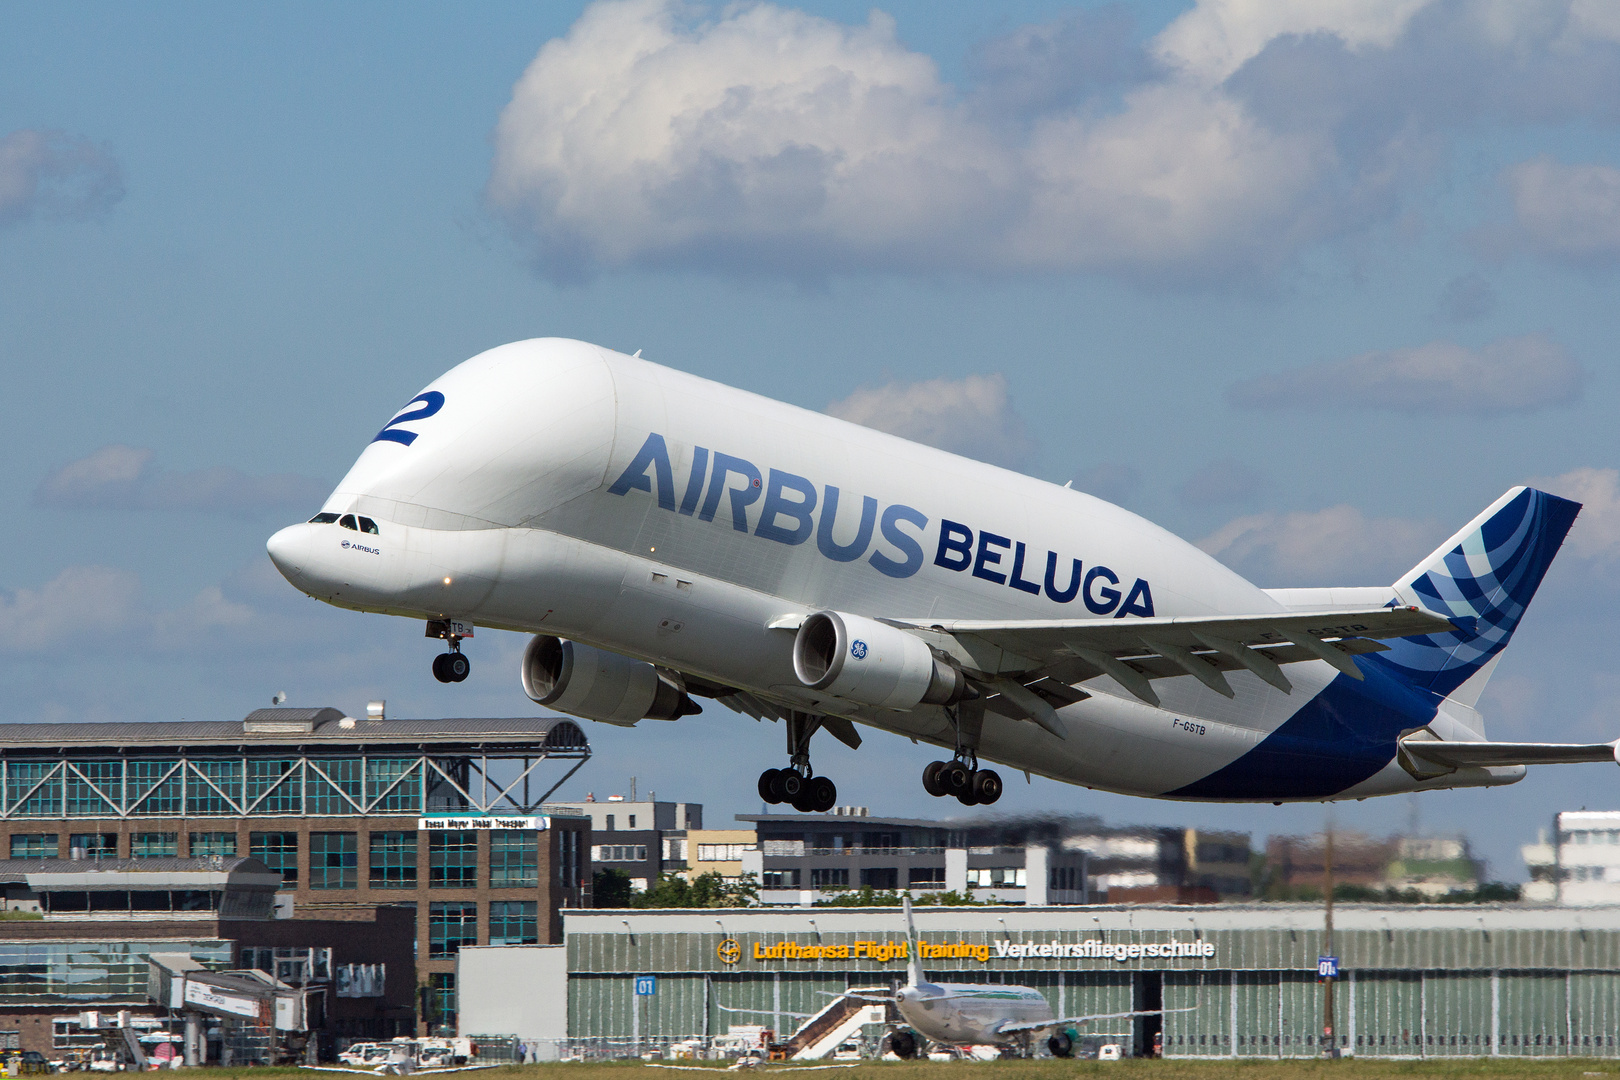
x,y
667,538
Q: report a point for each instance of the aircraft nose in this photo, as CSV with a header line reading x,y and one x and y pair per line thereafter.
x,y
289,551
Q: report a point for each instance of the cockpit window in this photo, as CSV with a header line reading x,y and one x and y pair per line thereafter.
x,y
347,521
323,519
368,526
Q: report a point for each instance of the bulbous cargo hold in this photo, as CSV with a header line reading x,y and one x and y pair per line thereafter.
x,y
598,685
861,659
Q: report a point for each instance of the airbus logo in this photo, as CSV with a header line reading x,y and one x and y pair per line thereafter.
x,y
793,509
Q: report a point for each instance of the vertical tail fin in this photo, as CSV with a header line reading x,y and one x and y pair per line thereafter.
x,y
914,968
1484,578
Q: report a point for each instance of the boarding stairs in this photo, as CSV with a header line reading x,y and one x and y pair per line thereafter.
x,y
842,1019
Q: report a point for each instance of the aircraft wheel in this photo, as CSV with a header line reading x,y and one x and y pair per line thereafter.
x,y
788,785
986,786
967,798
931,781
457,666
956,777
821,794
767,789
440,670
1060,1045
904,1045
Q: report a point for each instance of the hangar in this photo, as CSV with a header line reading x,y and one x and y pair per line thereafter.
x,y
1416,980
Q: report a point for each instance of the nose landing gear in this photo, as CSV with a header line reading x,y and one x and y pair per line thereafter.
x,y
798,785
961,776
452,666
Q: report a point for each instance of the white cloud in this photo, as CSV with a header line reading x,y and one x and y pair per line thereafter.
x,y
118,477
1513,375
1338,546
754,138
1217,37
972,416
55,176
89,605
770,139
1598,19
1596,532
1569,212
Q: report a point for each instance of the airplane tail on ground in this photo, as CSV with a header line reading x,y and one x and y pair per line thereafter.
x,y
914,968
1483,578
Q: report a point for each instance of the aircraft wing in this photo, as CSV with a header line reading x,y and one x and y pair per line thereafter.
x,y
1136,651
1458,755
1041,1025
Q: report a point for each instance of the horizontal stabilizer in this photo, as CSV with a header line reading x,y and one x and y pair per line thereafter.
x,y
1459,755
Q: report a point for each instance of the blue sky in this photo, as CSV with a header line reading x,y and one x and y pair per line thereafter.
x,y
1309,284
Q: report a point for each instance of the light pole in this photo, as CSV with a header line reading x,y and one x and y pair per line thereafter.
x,y
1329,973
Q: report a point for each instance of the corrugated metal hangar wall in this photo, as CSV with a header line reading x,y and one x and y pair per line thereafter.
x,y
1437,980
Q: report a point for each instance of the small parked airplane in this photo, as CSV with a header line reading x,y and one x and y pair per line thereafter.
x,y
977,1014
967,1014
666,538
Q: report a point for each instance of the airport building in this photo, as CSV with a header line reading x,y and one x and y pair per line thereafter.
x,y
445,819
1415,980
78,936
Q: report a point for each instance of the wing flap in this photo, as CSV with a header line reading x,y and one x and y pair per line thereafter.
x,y
1134,651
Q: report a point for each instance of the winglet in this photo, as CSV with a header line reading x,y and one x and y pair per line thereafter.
x,y
914,968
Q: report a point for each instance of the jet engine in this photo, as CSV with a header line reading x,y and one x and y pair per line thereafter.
x,y
599,685
863,660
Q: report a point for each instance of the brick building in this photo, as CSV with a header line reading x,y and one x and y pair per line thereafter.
x,y
444,818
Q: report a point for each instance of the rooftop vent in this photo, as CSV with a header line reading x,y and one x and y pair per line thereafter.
x,y
851,811
376,709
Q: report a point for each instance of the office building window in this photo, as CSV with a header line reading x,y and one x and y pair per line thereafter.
x,y
393,860
926,876
880,877
514,860
212,843
94,845
568,868
453,860
278,851
619,853
442,1000
450,926
333,860
33,846
721,852
829,878
991,877
780,879
513,922
154,845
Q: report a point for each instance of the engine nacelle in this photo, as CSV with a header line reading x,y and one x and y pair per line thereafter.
x,y
599,685
863,660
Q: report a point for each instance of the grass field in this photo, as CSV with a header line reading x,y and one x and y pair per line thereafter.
x,y
1051,1069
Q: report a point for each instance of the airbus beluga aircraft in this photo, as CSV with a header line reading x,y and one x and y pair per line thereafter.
x,y
667,538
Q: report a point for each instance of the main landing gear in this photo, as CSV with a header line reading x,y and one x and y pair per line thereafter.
x,y
798,785
961,776
452,666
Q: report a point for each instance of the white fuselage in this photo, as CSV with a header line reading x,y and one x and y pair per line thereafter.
x,y
504,498
967,1014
